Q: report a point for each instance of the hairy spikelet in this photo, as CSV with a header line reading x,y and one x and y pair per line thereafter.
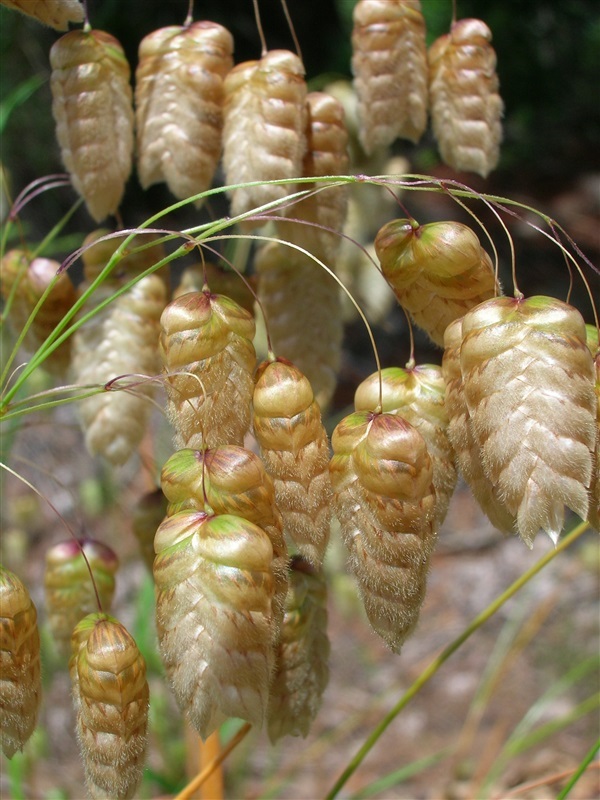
x,y
384,498
27,280
208,357
264,129
179,105
148,513
20,684
326,154
528,380
417,395
70,593
230,480
92,108
55,13
294,446
438,271
219,281
389,63
301,667
214,597
466,109
462,439
111,702
302,305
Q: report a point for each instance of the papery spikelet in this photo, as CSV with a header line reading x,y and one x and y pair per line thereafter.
x,y
438,271
20,684
384,498
179,100
302,306
294,446
326,154
466,450
214,597
389,63
466,109
112,709
28,281
55,13
264,130
92,108
148,513
208,357
528,380
70,593
219,281
301,671
417,395
594,512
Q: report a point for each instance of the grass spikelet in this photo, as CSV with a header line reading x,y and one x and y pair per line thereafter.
x,y
294,446
384,498
207,353
528,380
112,709
220,281
20,684
179,105
302,670
594,513
56,14
264,128
438,271
466,109
214,596
417,395
92,108
389,63
70,593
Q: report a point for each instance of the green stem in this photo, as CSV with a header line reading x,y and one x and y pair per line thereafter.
x,y
435,665
587,760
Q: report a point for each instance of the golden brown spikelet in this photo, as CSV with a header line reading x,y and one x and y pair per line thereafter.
x,y
20,683
462,439
417,395
466,109
326,154
55,13
214,616
594,512
148,513
264,128
528,380
179,105
92,108
208,358
389,63
219,281
302,671
384,498
30,279
302,306
294,446
111,702
438,271
70,593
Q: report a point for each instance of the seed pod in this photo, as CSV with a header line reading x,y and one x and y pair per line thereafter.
x,y
264,130
20,684
148,513
214,595
438,271
302,306
464,444
208,357
219,281
466,109
389,63
70,593
112,709
384,498
528,380
92,108
417,395
294,446
179,99
302,671
55,13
